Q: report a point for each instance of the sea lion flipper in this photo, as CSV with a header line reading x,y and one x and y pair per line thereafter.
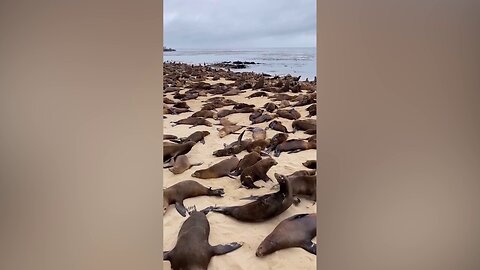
x,y
202,141
310,247
181,209
251,197
224,249
166,256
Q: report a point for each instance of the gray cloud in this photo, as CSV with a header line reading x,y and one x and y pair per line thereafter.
x,y
239,23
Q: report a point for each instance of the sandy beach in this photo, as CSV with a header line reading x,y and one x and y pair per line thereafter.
x,y
225,229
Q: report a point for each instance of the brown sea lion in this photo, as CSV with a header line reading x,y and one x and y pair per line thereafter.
x,y
166,100
258,94
284,104
259,84
311,164
263,118
312,110
225,122
290,114
234,148
197,136
294,146
220,169
223,113
182,164
247,161
169,137
233,92
270,107
245,110
222,132
173,110
276,140
192,250
304,186
259,146
255,114
205,114
258,133
193,121
257,171
186,189
295,231
243,105
278,126
262,209
181,104
304,124
171,151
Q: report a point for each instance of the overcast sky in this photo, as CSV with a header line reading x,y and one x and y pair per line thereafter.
x,y
239,23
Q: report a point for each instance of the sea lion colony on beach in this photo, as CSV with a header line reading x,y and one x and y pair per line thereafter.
x,y
279,125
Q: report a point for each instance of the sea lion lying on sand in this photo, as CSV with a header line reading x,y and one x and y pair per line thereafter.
x,y
194,121
222,168
192,250
182,164
197,136
294,146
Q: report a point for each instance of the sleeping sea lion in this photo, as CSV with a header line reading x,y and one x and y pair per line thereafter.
x,y
295,231
197,136
182,164
291,114
222,168
304,124
278,126
294,146
193,121
205,114
262,209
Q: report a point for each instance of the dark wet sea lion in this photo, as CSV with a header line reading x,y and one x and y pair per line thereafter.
x,y
197,136
192,250
258,133
186,189
257,171
294,146
276,140
247,161
304,124
182,164
220,169
193,121
278,126
270,107
171,151
290,114
311,164
205,114
295,231
262,209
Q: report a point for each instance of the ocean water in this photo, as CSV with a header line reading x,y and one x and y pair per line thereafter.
x,y
274,61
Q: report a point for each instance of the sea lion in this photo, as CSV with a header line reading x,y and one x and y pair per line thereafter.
x,y
192,250
247,161
186,189
259,84
258,94
223,113
278,126
311,164
262,118
181,104
262,209
245,110
276,140
255,114
294,146
312,110
205,114
259,146
222,132
166,100
304,124
257,171
169,137
225,122
173,110
291,114
270,107
222,168
304,186
258,133
284,104
295,231
233,92
193,121
197,136
171,151
243,105
182,164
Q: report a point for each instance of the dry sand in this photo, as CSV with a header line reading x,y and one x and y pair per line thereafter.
x,y
224,229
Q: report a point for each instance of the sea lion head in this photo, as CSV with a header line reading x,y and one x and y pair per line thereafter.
x,y
272,162
205,133
280,178
196,174
265,248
